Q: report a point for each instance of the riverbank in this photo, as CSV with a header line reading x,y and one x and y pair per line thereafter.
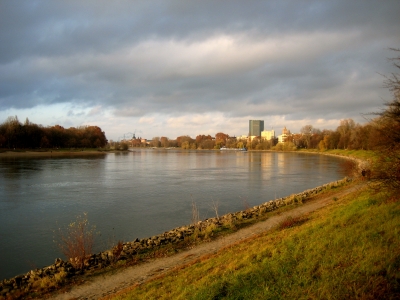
x,y
37,277
348,248
61,274
53,153
148,279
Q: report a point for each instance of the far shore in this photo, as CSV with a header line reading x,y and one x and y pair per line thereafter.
x,y
50,153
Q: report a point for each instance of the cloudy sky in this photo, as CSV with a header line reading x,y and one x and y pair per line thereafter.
x,y
170,68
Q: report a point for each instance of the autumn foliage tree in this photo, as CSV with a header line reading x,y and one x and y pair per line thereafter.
x,y
164,142
14,134
184,142
204,142
386,168
220,139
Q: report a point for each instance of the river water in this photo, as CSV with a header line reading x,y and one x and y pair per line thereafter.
x,y
137,194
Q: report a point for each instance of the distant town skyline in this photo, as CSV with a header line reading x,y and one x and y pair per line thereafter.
x,y
172,68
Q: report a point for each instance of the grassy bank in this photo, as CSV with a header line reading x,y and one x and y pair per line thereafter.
x,y
350,249
358,154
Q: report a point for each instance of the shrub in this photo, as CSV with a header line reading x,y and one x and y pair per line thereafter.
x,y
76,241
124,146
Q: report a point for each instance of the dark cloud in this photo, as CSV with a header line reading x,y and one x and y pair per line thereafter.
x,y
299,59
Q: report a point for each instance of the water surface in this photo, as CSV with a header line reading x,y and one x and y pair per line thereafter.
x,y
137,194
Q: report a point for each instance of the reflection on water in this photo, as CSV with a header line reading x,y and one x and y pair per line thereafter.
x,y
137,194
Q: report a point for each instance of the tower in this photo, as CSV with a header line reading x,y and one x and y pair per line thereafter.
x,y
255,127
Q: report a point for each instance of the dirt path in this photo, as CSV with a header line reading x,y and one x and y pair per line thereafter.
x,y
110,283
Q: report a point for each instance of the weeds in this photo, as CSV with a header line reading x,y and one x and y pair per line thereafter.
x,y
117,250
291,222
214,206
209,230
47,283
60,277
195,214
245,203
230,223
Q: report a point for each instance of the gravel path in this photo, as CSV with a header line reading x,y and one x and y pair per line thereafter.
x,y
110,283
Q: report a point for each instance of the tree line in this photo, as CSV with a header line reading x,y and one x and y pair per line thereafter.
x,y
28,135
348,135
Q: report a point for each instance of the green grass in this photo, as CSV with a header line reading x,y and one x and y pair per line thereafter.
x,y
360,154
348,250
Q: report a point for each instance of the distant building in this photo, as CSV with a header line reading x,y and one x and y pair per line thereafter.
x,y
242,137
255,127
145,141
285,133
268,135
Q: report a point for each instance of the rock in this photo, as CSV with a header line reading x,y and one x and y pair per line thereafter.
x,y
58,261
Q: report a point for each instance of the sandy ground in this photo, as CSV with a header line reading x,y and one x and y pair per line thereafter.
x,y
118,280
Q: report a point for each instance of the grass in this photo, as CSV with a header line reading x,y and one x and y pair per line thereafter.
x,y
348,250
360,154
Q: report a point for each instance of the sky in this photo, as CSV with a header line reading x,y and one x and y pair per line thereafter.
x,y
171,68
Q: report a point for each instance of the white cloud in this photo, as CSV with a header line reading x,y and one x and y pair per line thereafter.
x,y
147,120
97,110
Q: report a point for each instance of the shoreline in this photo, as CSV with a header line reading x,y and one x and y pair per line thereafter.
x,y
117,279
288,200
104,260
51,153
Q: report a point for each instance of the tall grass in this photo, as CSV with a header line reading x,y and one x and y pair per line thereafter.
x,y
348,250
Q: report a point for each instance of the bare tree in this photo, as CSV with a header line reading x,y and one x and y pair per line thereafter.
x,y
386,168
215,206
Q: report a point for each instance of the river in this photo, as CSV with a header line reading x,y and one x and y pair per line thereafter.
x,y
137,194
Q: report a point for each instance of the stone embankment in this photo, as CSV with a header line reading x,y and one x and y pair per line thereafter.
x,y
54,275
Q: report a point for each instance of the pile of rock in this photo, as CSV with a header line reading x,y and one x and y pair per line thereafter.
x,y
56,273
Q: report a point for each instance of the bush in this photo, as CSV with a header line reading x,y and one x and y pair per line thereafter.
x,y
76,241
124,146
